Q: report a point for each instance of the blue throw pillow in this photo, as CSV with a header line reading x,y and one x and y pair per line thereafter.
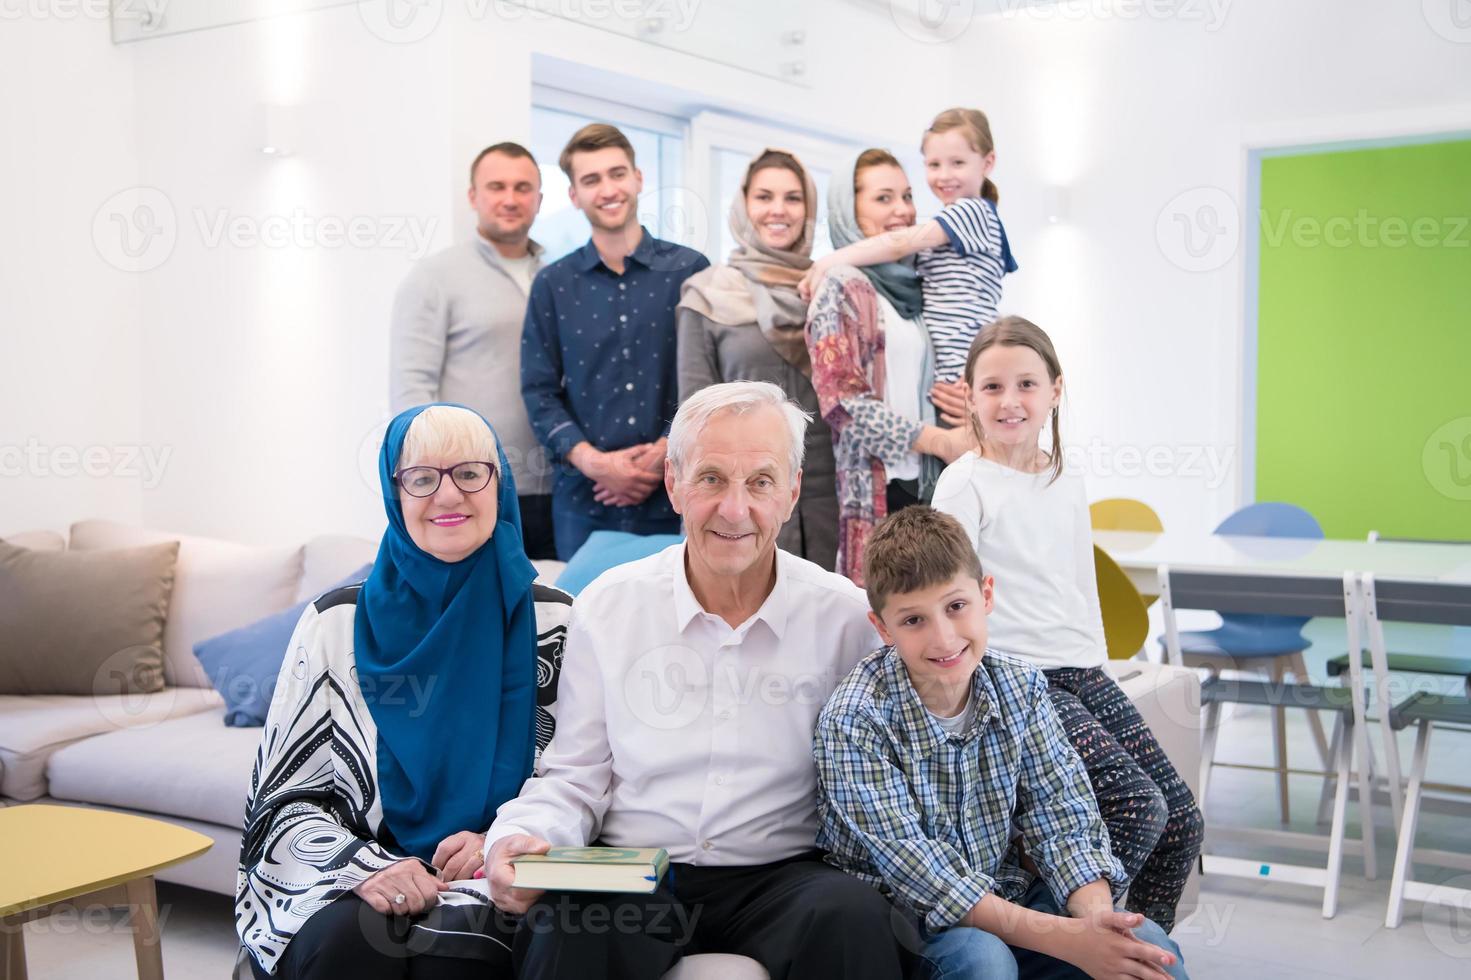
x,y
604,549
243,663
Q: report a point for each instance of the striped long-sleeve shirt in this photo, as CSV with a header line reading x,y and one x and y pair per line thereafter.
x,y
927,816
962,281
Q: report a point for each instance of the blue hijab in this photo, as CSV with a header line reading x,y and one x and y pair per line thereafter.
x,y
446,658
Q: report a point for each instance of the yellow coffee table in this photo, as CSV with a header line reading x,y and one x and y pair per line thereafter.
x,y
61,854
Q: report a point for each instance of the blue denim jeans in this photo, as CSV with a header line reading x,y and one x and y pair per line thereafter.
x,y
968,953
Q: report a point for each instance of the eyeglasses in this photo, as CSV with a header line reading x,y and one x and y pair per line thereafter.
x,y
471,476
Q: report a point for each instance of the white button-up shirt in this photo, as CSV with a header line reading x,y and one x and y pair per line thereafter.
x,y
676,730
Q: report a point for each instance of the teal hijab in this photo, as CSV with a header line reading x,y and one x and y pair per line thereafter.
x,y
446,659
895,281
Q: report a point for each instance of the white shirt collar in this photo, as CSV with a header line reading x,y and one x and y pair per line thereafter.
x,y
773,611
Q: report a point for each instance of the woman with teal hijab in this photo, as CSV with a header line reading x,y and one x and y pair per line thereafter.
x,y
872,366
408,709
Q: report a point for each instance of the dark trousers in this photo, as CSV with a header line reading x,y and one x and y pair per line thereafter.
x,y
1154,827
347,939
801,919
901,494
536,525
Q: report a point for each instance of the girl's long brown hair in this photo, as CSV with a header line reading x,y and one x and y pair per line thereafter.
x,y
1014,331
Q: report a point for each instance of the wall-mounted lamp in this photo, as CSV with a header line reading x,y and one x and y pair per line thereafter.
x,y
277,130
1055,204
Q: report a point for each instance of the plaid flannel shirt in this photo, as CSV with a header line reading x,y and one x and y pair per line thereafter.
x,y
927,817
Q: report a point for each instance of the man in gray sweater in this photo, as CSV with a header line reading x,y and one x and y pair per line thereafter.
x,y
456,329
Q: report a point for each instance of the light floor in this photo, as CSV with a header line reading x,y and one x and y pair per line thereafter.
x,y
1245,928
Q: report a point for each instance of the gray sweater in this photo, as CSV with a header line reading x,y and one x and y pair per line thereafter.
x,y
456,337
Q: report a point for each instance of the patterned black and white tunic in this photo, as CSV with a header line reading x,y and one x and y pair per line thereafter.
x,y
313,819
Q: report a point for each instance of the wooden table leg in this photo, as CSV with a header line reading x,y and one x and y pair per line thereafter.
x,y
13,948
143,910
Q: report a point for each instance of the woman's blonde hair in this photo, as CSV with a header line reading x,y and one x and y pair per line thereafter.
x,y
447,432
1013,331
976,128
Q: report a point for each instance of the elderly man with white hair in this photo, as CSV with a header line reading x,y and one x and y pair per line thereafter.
x,y
690,686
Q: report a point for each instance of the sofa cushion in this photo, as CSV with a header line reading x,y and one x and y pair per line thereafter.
x,y
605,549
329,557
84,622
219,586
192,767
37,540
243,664
34,726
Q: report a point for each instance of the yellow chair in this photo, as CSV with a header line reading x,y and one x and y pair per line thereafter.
x,y
1123,514
1125,616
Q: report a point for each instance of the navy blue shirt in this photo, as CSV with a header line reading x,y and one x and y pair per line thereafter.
x,y
598,360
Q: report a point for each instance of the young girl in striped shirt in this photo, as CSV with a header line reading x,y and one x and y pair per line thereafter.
x,y
961,254
1027,517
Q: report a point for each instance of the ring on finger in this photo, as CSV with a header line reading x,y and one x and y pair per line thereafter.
x,y
399,898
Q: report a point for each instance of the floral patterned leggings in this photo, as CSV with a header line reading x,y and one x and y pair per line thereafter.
x,y
1154,826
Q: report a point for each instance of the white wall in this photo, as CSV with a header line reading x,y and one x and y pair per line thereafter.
x,y
70,352
1127,113
260,367
266,328
262,364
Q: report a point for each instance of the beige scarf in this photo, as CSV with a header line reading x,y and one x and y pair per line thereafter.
x,y
758,285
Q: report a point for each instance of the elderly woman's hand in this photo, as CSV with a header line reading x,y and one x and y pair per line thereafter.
x,y
404,888
502,874
458,855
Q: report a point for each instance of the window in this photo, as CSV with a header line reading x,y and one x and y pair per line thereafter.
x,y
659,151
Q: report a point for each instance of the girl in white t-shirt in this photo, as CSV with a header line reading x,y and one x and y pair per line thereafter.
x,y
1028,519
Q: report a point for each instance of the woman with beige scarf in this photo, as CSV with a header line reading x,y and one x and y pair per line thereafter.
x,y
743,321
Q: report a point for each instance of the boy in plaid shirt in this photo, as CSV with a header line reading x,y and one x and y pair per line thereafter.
x,y
945,780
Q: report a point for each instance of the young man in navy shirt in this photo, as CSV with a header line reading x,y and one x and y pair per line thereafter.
x,y
598,352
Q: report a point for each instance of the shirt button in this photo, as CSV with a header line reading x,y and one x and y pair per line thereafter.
x,y
708,846
623,318
622,285
629,386
719,780
724,713
631,420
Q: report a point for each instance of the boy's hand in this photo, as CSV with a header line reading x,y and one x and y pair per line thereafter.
x,y
1105,948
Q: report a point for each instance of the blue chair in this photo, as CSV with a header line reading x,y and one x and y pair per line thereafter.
x,y
1271,644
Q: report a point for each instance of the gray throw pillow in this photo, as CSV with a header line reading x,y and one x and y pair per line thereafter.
x,y
84,622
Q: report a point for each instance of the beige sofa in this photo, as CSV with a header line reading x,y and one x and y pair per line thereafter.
x,y
169,755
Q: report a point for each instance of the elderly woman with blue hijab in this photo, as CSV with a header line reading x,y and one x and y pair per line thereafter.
x,y
408,709
872,367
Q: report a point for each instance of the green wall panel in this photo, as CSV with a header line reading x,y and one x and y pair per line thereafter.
x,y
1363,373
